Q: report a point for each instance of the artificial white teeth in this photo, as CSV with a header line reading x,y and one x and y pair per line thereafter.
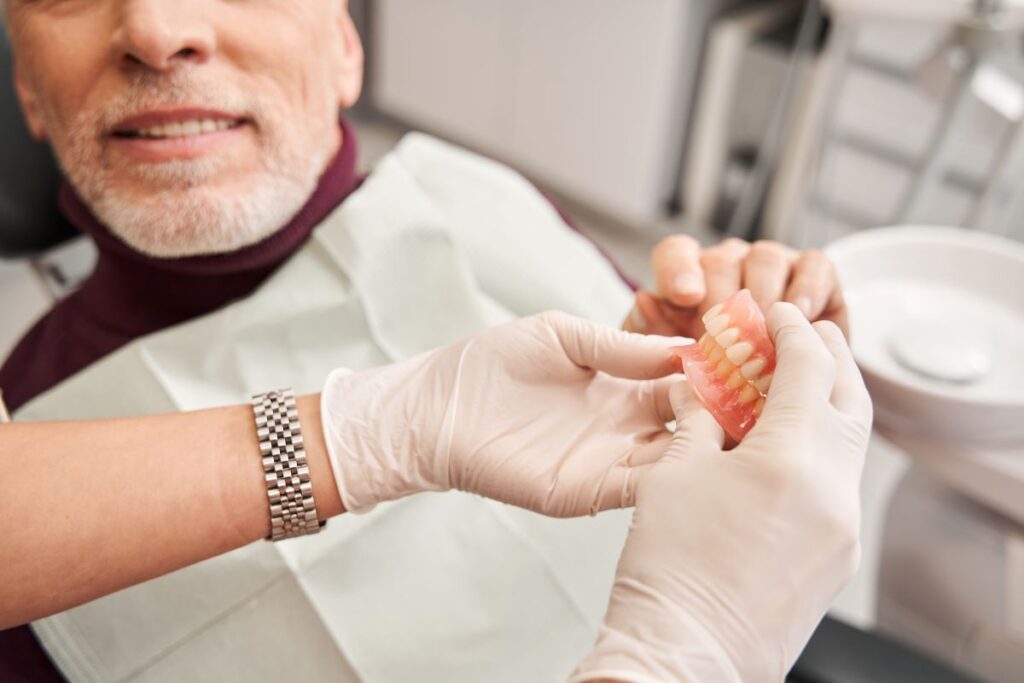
x,y
728,338
748,395
735,381
208,126
191,128
712,313
752,369
717,325
739,353
716,355
763,383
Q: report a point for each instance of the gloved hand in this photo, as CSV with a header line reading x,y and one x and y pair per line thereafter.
x,y
733,557
551,413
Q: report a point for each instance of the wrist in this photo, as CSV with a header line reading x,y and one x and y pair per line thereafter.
x,y
380,436
325,488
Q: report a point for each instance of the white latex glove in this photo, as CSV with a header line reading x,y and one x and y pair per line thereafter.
x,y
552,413
734,556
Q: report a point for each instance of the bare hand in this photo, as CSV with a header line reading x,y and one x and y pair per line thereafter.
x,y
689,280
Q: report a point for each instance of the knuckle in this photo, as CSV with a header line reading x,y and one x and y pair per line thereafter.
x,y
814,256
718,260
766,251
679,240
674,244
735,244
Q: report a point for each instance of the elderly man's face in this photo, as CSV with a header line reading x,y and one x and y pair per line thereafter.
x,y
188,126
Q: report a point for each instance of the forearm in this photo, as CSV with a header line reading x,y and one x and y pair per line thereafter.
x,y
92,507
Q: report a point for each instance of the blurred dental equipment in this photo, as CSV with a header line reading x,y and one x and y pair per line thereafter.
x,y
913,113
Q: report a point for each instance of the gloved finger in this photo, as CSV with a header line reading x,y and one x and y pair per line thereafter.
x,y
678,275
723,271
696,428
812,284
804,369
618,489
621,354
766,270
849,395
660,397
647,317
650,452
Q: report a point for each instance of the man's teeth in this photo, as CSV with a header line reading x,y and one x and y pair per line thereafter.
x,y
185,129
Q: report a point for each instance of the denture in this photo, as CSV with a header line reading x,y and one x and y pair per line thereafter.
x,y
731,365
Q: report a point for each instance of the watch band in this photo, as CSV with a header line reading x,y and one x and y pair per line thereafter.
x,y
289,490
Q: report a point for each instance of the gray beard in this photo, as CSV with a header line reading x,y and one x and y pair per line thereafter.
x,y
200,220
187,215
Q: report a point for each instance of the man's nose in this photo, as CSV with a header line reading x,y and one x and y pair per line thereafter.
x,y
161,34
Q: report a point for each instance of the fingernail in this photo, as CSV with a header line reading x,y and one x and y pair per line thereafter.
x,y
638,321
804,304
687,283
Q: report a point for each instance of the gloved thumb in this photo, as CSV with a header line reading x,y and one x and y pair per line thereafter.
x,y
696,428
617,353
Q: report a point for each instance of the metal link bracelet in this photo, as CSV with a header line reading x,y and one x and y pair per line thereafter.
x,y
285,470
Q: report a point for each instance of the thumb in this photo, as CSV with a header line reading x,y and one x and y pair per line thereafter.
x,y
696,428
620,354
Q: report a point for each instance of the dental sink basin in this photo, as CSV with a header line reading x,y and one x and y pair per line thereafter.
x,y
937,320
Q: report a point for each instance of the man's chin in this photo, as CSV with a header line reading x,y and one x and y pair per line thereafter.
x,y
177,222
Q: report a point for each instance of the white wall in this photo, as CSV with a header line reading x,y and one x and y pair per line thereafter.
x,y
591,97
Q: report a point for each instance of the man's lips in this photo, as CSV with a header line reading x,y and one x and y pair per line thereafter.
x,y
158,136
176,123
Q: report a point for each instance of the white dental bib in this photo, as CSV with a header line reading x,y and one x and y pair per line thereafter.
x,y
438,243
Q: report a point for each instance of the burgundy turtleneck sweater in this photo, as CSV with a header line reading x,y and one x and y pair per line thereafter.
x,y
129,295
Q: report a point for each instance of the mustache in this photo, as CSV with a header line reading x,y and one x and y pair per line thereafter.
x,y
147,92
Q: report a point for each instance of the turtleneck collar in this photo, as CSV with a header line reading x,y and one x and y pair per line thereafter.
x,y
135,294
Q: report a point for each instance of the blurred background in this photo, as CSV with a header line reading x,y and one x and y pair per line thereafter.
x,y
794,120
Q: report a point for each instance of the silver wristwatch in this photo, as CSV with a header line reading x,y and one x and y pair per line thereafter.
x,y
289,490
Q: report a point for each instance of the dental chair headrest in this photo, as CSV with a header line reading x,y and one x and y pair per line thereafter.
x,y
29,220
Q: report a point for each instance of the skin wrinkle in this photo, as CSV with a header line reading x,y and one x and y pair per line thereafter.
x,y
213,55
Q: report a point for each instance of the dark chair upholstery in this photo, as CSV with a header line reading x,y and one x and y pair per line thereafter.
x,y
29,221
